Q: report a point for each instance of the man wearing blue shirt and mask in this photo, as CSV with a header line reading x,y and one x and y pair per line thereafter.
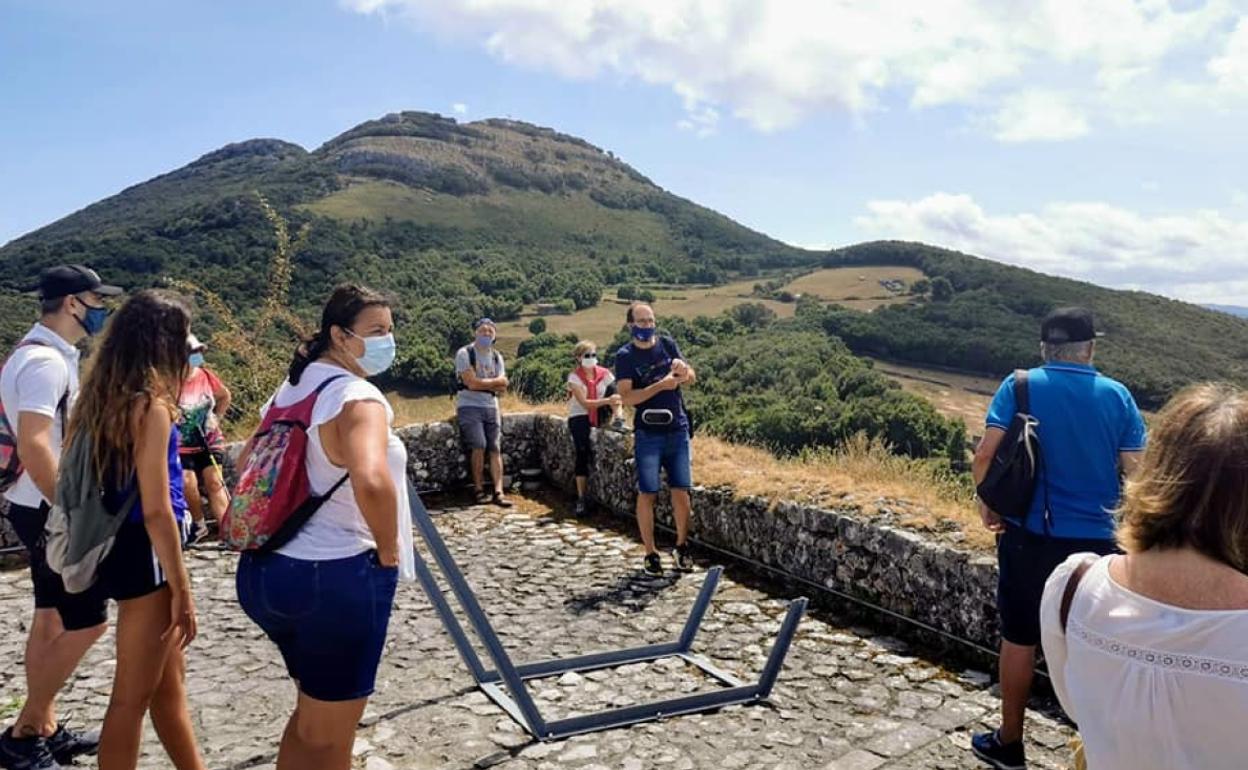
x,y
649,371
1090,435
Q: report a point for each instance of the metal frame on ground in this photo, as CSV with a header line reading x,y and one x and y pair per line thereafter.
x,y
505,683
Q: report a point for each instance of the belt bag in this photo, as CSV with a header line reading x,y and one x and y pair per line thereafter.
x,y
657,418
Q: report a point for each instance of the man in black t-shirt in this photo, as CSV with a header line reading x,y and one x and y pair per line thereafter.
x,y
649,372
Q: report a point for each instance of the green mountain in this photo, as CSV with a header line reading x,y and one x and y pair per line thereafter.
x,y
463,220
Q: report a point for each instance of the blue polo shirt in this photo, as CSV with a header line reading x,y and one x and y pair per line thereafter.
x,y
1085,419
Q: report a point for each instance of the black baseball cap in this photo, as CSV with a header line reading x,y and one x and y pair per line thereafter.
x,y
1068,324
64,280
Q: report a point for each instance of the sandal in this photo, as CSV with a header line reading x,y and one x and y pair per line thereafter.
x,y
501,501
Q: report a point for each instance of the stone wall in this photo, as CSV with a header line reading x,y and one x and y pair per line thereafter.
x,y
867,557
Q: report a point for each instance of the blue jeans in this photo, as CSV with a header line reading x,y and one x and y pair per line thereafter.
x,y
328,618
668,450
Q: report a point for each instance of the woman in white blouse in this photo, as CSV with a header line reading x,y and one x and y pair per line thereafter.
x,y
1152,662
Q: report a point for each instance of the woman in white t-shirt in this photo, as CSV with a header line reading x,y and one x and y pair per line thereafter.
x,y
590,388
325,597
1151,662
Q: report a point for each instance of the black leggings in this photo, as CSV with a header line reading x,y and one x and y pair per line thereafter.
x,y
579,426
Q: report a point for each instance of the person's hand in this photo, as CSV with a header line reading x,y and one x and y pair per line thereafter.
x,y
183,626
615,400
388,557
502,383
670,382
680,368
991,519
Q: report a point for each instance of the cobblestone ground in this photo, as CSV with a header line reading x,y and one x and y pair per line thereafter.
x,y
846,700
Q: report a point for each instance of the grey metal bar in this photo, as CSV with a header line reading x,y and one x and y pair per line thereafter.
x,y
593,660
710,668
476,616
780,647
645,712
449,621
506,703
709,583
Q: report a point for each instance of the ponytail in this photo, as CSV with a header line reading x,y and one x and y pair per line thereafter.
x,y
308,351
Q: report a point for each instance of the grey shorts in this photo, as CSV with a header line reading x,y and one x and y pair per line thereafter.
x,y
478,426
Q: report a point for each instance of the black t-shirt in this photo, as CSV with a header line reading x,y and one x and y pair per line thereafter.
x,y
646,367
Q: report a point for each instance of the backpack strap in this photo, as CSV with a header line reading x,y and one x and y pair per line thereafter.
x,y
325,383
1072,587
1022,395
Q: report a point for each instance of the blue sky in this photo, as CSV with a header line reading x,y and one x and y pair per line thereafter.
x,y
1101,139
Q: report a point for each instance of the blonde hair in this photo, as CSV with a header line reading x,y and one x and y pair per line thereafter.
x,y
583,347
1191,490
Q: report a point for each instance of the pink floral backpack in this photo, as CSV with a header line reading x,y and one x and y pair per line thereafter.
x,y
272,499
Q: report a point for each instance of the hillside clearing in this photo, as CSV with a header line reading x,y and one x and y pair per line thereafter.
x,y
859,288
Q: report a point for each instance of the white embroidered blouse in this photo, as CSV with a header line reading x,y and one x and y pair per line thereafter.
x,y
1150,685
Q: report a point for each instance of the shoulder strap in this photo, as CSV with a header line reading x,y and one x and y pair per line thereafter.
x,y
472,357
1072,586
1022,396
325,383
497,360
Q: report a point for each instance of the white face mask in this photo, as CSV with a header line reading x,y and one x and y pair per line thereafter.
x,y
589,362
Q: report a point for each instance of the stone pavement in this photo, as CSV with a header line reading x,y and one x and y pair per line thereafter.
x,y
846,700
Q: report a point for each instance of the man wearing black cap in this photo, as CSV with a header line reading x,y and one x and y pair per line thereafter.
x,y
38,385
1090,434
482,378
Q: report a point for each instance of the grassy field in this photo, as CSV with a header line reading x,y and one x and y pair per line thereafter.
x,y
960,396
855,287
537,217
601,322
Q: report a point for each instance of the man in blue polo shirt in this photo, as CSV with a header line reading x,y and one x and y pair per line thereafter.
x,y
1091,434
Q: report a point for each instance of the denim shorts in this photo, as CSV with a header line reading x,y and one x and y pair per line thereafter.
x,y
669,450
328,618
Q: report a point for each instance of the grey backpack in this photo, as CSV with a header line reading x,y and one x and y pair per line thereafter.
x,y
81,529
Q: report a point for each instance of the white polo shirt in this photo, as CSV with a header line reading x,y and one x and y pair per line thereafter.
x,y
33,380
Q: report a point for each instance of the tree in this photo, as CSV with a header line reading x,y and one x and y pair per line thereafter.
x,y
920,286
626,292
942,289
537,326
645,295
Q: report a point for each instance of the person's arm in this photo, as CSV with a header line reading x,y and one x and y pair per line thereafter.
x,y
222,397
581,395
979,469
364,435
1129,462
468,375
34,448
151,423
631,397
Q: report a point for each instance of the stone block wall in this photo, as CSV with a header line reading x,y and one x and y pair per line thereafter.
x,y
841,549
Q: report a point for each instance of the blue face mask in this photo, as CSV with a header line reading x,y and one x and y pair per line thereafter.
x,y
378,353
93,322
484,340
196,360
643,334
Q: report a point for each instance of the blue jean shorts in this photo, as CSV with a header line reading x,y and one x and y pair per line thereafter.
x,y
328,618
668,450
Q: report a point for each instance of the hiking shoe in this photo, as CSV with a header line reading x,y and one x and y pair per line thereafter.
x,y
580,510
65,744
198,534
26,753
653,565
1003,756
684,559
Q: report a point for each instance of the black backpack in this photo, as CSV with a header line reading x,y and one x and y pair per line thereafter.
x,y
1010,484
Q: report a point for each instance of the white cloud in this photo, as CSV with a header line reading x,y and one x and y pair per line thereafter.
x,y
1230,69
1043,116
773,62
1200,256
459,108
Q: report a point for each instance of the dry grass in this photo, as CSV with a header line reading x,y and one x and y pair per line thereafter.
x,y
958,396
855,287
438,408
862,473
